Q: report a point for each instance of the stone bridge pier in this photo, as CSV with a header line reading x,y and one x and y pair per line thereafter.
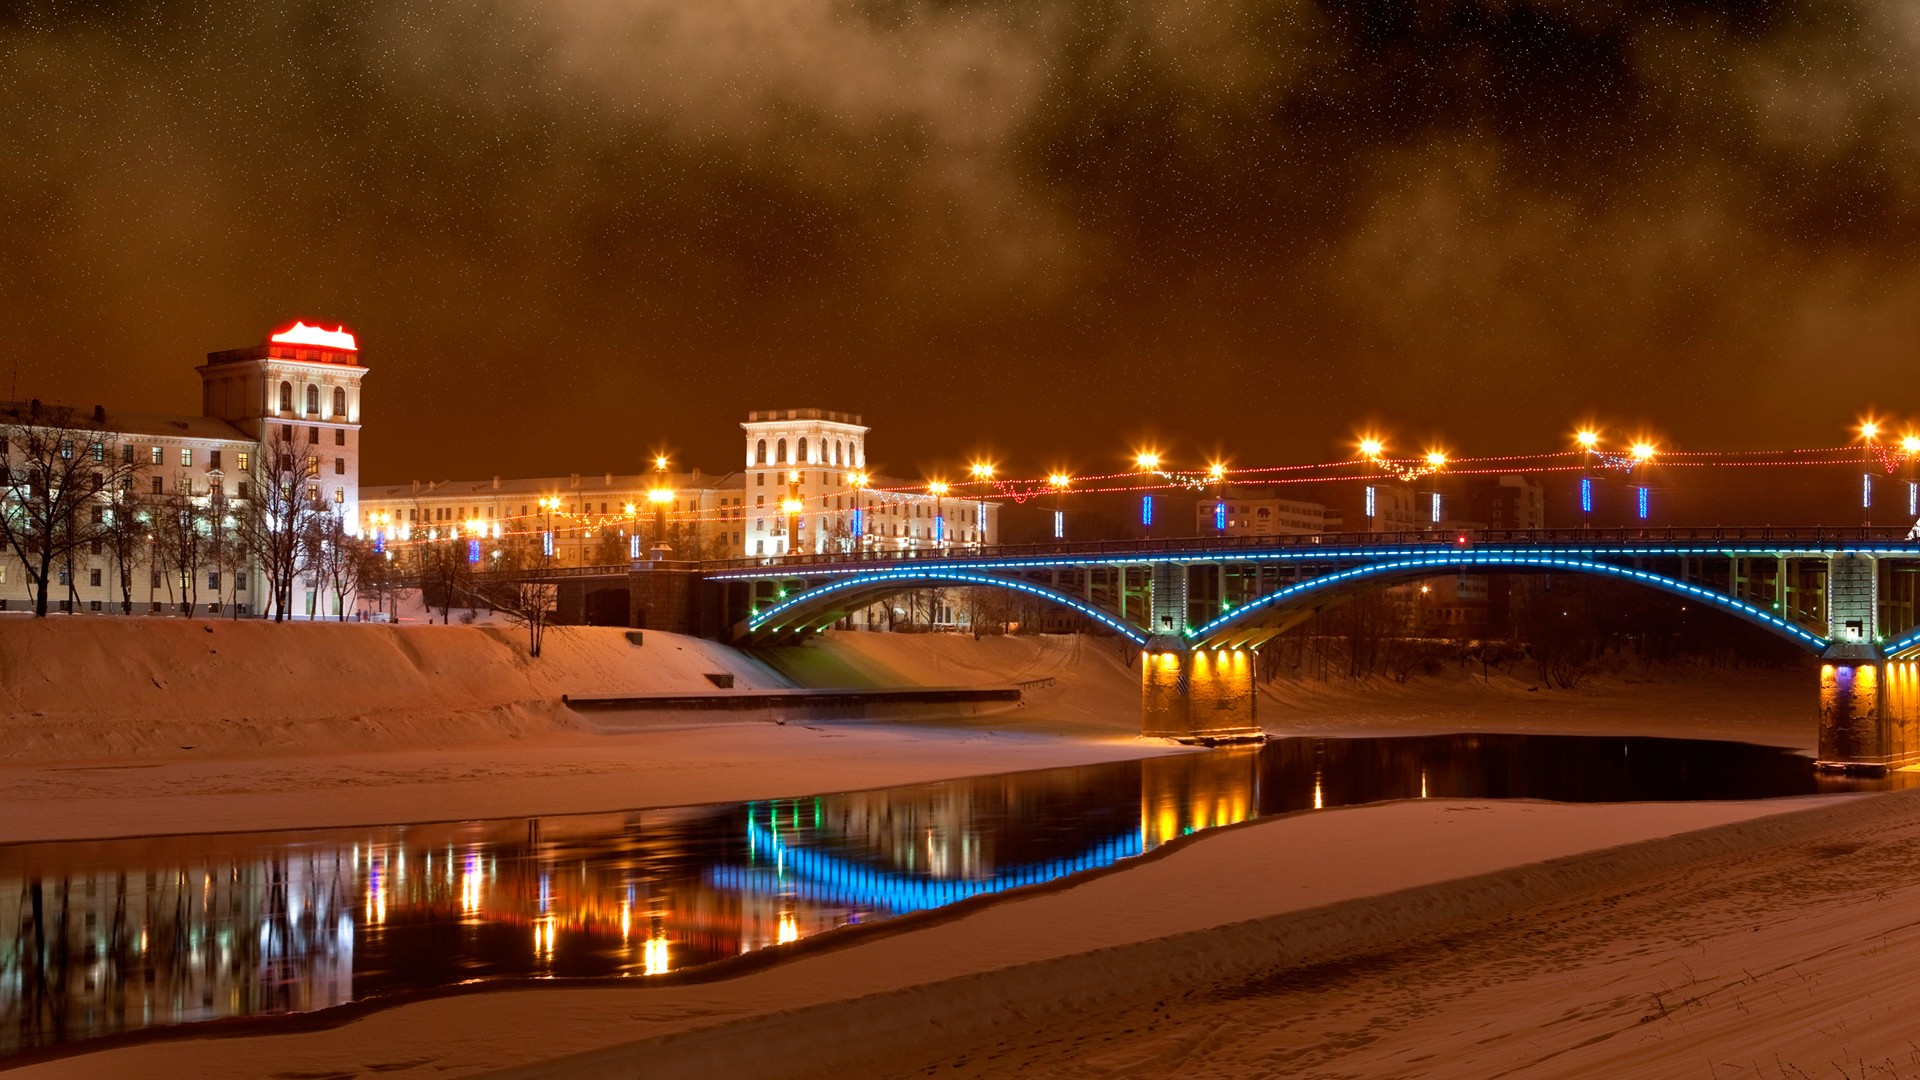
x,y
1194,695
1869,705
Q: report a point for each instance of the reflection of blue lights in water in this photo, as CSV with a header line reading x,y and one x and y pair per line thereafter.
x,y
829,877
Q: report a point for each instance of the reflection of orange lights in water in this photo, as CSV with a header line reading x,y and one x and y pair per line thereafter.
x,y
544,931
626,922
470,886
789,928
653,956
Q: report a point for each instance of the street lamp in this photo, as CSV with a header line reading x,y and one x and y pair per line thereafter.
x,y
1371,451
547,546
1869,433
1148,461
1059,482
938,489
661,498
1642,454
1436,461
981,470
861,508
1589,441
1217,472
1909,449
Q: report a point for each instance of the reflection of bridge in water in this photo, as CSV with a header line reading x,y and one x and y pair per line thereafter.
x,y
120,935
1198,608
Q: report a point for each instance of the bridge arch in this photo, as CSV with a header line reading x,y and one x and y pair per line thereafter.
x,y
865,588
1339,583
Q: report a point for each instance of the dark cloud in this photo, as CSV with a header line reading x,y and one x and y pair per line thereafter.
x,y
1038,226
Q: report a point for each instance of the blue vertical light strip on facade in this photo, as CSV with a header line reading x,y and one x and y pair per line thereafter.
x,y
1369,500
1913,497
939,528
1059,524
1146,509
859,522
1586,494
546,544
980,522
1220,516
633,546
1643,502
473,551
1866,490
1436,506
380,541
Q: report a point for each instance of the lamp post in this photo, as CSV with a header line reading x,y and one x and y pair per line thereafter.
x,y
1148,461
1371,451
862,509
1909,449
1436,463
1869,433
1642,454
661,498
1217,472
548,546
938,489
1589,441
1059,482
791,507
633,531
982,473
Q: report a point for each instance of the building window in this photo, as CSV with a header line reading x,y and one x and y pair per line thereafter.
x,y
339,496
286,397
98,451
339,401
186,456
339,436
340,466
213,459
154,455
241,460
93,578
313,465
156,485
313,493
213,580
313,399
313,436
759,453
66,449
800,453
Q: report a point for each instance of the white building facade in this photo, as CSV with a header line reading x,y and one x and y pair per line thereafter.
x,y
302,384
809,490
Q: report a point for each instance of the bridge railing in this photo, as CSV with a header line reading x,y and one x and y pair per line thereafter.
x,y
1809,536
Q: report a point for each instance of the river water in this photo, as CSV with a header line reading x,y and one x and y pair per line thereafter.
x,y
100,937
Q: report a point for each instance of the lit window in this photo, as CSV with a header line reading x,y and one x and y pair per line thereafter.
x,y
154,455
242,460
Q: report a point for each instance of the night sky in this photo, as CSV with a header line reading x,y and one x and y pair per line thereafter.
x,y
571,232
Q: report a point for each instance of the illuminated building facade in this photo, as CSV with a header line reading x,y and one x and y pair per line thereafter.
x,y
301,384
575,520
809,490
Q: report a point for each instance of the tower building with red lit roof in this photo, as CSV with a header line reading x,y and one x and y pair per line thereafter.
x,y
300,385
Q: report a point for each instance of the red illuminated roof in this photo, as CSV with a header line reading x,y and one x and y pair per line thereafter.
x,y
302,334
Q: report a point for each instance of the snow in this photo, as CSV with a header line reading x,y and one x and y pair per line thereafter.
x,y
1420,938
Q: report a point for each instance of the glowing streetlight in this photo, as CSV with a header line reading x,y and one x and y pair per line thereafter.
x,y
1910,444
982,470
1217,472
1869,433
1059,482
938,489
1588,439
1436,463
1642,452
1147,460
1372,448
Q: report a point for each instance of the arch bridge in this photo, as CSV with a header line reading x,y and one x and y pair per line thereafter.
x,y
1199,608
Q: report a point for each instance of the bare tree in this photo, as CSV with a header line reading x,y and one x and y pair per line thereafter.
x,y
344,562
277,509
56,468
127,534
181,543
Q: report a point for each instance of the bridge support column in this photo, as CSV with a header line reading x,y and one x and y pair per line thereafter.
x,y
1197,695
1869,714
